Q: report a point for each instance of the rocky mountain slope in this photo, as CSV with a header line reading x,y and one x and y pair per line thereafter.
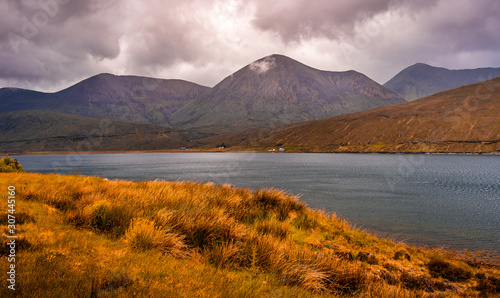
x,y
464,119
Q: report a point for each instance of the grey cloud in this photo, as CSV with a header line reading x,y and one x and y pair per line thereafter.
x,y
54,40
172,32
48,46
303,19
439,34
472,28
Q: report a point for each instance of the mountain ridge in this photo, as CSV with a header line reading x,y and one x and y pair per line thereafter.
x,y
109,96
420,79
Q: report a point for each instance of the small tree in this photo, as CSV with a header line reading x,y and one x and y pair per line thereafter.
x,y
9,165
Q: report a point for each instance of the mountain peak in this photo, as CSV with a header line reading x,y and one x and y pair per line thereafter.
x,y
424,67
278,89
420,65
275,62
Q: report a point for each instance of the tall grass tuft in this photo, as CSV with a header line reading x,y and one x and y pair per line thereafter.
x,y
203,226
144,235
102,216
226,254
279,229
273,200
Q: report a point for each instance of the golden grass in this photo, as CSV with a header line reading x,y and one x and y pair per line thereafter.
x,y
87,236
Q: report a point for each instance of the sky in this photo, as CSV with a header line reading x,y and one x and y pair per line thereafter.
x,y
48,45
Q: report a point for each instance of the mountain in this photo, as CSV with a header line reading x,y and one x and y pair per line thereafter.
x,y
420,80
464,119
127,98
29,131
277,90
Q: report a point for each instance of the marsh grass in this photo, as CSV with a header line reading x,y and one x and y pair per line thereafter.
x,y
94,237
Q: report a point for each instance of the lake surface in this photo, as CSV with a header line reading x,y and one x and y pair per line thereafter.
x,y
437,200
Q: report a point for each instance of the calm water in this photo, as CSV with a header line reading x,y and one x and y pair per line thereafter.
x,y
437,200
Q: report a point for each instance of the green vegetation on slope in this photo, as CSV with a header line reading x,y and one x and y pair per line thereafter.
x,y
32,131
9,165
88,236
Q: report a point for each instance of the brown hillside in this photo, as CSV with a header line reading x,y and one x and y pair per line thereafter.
x,y
464,119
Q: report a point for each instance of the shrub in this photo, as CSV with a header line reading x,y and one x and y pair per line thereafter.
x,y
10,165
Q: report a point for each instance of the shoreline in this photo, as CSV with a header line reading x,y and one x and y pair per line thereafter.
x,y
238,151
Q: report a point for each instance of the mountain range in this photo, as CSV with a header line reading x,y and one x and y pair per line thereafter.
x,y
420,79
272,90
271,99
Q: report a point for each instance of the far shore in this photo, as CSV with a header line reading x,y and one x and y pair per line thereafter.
x,y
239,150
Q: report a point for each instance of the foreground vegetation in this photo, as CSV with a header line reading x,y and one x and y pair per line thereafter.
x,y
9,165
87,236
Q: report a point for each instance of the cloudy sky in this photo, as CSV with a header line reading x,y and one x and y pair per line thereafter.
x,y
47,45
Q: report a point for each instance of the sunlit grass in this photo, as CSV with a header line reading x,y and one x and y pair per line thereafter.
x,y
87,236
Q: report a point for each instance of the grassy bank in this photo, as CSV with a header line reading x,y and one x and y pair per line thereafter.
x,y
89,237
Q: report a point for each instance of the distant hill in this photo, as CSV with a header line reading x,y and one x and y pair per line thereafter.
x,y
28,131
464,119
277,90
127,98
420,80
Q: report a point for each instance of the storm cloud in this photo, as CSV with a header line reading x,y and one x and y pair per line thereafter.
x,y
50,44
